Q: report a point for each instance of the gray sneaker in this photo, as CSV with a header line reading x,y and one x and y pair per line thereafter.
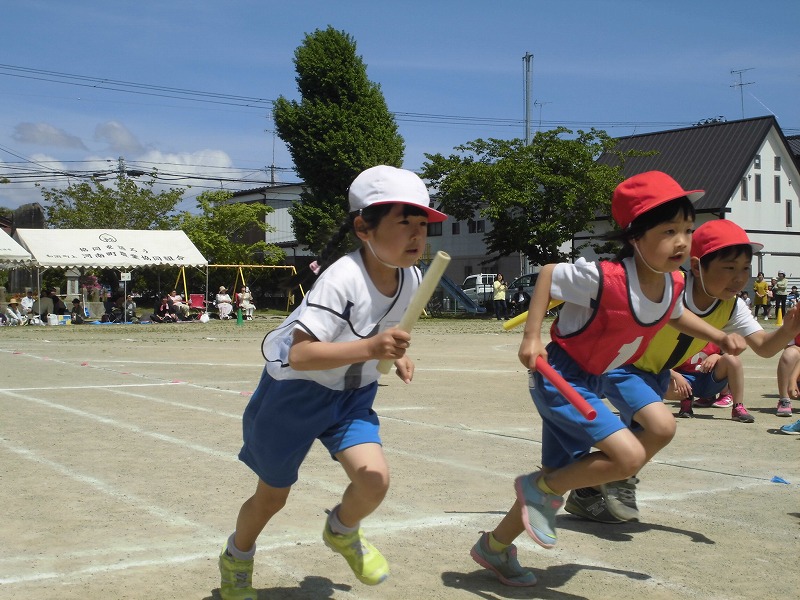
x,y
503,564
589,504
620,497
538,509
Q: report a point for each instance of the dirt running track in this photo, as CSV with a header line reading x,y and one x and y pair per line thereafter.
x,y
119,478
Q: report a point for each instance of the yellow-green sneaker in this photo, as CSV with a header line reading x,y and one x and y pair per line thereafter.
x,y
367,563
236,577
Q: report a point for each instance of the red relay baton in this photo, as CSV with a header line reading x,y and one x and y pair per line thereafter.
x,y
574,398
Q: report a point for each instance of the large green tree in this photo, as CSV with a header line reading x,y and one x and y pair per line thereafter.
x,y
229,233
536,195
340,127
127,204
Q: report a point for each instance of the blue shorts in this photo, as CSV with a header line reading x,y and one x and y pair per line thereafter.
x,y
704,385
566,434
285,416
629,389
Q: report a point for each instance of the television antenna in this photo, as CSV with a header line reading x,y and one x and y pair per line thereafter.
x,y
741,84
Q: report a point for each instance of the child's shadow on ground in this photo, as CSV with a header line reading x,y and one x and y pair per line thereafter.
x,y
484,585
624,532
311,588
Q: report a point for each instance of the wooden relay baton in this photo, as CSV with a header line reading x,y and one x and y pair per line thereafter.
x,y
420,298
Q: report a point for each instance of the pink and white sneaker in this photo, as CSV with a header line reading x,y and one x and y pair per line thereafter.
x,y
725,401
784,408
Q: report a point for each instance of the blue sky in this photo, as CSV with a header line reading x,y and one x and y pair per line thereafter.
x,y
626,66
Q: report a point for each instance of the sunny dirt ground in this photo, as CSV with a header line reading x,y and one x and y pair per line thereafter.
x,y
119,477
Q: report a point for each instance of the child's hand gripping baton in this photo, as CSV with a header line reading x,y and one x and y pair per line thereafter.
x,y
420,299
574,398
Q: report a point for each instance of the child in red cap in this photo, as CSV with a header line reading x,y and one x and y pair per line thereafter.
x,y
611,310
721,254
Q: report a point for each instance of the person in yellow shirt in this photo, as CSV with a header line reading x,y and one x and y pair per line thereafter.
x,y
761,300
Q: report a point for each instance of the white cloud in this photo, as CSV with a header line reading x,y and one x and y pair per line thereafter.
x,y
44,134
118,137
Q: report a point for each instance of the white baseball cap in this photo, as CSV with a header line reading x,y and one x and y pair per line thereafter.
x,y
384,185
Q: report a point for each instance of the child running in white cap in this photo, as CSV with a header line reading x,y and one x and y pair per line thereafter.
x,y
321,375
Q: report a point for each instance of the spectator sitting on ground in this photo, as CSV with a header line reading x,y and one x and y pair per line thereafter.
x,y
520,301
792,298
59,308
77,313
224,305
788,376
26,304
13,316
165,312
130,310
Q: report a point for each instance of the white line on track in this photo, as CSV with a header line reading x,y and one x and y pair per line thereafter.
x,y
122,425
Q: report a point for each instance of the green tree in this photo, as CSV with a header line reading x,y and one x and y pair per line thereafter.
x,y
340,127
126,205
537,196
229,233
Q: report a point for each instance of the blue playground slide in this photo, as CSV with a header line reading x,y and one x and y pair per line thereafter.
x,y
452,289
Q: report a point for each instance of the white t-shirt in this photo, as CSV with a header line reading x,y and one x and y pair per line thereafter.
x,y
577,284
741,321
344,305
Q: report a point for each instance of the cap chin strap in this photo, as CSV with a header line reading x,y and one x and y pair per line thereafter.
x,y
378,258
647,264
703,283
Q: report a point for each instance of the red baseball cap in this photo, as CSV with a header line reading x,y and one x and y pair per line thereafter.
x,y
717,234
640,193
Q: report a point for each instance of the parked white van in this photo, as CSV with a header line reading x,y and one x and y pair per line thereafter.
x,y
479,288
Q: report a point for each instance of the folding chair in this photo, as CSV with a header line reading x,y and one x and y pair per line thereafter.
x,y
197,305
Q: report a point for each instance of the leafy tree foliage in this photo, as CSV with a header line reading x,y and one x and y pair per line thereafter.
x,y
229,233
340,127
126,205
537,196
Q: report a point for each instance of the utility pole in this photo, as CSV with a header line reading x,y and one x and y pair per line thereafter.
x,y
527,62
741,85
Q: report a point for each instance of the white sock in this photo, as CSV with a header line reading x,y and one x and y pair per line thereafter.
x,y
336,525
236,553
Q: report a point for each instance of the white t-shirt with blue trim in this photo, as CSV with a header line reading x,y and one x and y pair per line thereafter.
x,y
342,306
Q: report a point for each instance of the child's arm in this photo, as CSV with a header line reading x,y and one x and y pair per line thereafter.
x,y
531,345
690,324
769,344
679,386
309,354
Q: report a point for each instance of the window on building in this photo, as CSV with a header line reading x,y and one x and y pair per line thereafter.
x,y
758,188
777,190
788,213
470,226
481,226
456,225
777,163
757,161
744,189
434,229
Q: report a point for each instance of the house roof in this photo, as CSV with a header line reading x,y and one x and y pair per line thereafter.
x,y
713,157
794,146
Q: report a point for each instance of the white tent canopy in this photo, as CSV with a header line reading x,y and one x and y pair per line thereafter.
x,y
11,253
109,248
